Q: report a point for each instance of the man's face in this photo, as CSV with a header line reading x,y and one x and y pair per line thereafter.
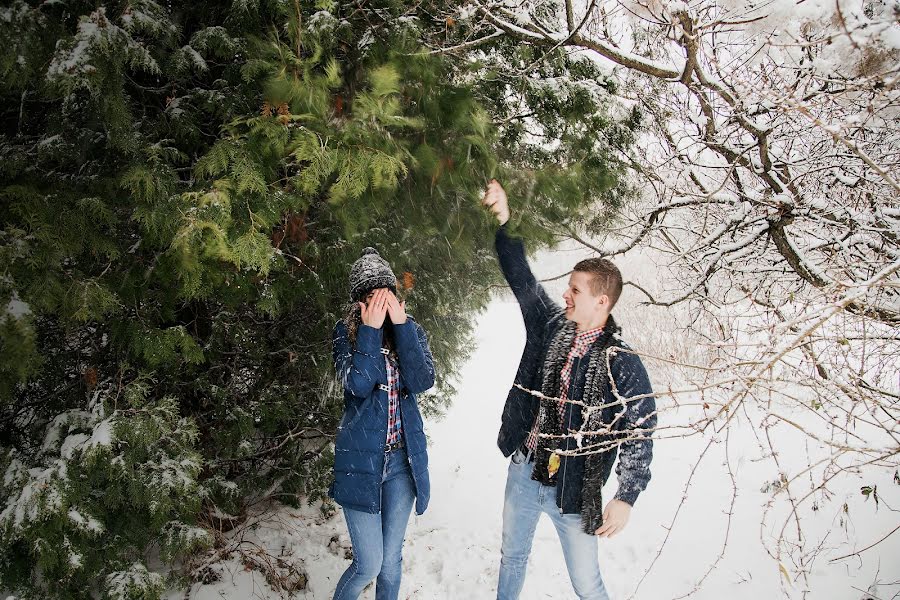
x,y
582,306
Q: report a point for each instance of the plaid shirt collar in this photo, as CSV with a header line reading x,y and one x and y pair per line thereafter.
x,y
584,339
580,345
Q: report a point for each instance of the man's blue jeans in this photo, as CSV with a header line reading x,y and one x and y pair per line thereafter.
x,y
524,502
378,538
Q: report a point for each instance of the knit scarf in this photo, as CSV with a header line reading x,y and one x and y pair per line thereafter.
x,y
596,382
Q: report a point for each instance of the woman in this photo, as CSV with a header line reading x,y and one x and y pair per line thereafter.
x,y
380,465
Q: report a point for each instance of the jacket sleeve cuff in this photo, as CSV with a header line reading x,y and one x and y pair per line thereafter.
x,y
627,496
502,232
406,332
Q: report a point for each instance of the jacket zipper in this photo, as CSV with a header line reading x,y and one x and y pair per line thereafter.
x,y
400,397
385,387
568,409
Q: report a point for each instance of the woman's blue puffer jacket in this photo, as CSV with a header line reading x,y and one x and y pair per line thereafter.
x,y
361,435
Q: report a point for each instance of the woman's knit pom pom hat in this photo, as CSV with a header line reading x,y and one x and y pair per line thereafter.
x,y
370,272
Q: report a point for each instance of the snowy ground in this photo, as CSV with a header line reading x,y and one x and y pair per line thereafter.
x,y
452,551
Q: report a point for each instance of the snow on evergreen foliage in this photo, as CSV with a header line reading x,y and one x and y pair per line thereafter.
x,y
51,503
133,583
99,39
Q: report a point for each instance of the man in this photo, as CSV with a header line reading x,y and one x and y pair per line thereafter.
x,y
563,443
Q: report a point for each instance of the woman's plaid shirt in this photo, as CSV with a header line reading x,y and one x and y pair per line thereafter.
x,y
394,427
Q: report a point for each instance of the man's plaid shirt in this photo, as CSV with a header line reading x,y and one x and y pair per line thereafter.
x,y
580,346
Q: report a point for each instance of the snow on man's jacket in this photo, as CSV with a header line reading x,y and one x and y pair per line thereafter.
x,y
543,318
359,446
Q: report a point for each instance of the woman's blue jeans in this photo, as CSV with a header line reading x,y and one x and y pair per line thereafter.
x,y
526,500
378,538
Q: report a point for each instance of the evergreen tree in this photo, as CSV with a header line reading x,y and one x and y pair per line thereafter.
x,y
183,190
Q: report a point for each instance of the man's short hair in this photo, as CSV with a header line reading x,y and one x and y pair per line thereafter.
x,y
605,278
